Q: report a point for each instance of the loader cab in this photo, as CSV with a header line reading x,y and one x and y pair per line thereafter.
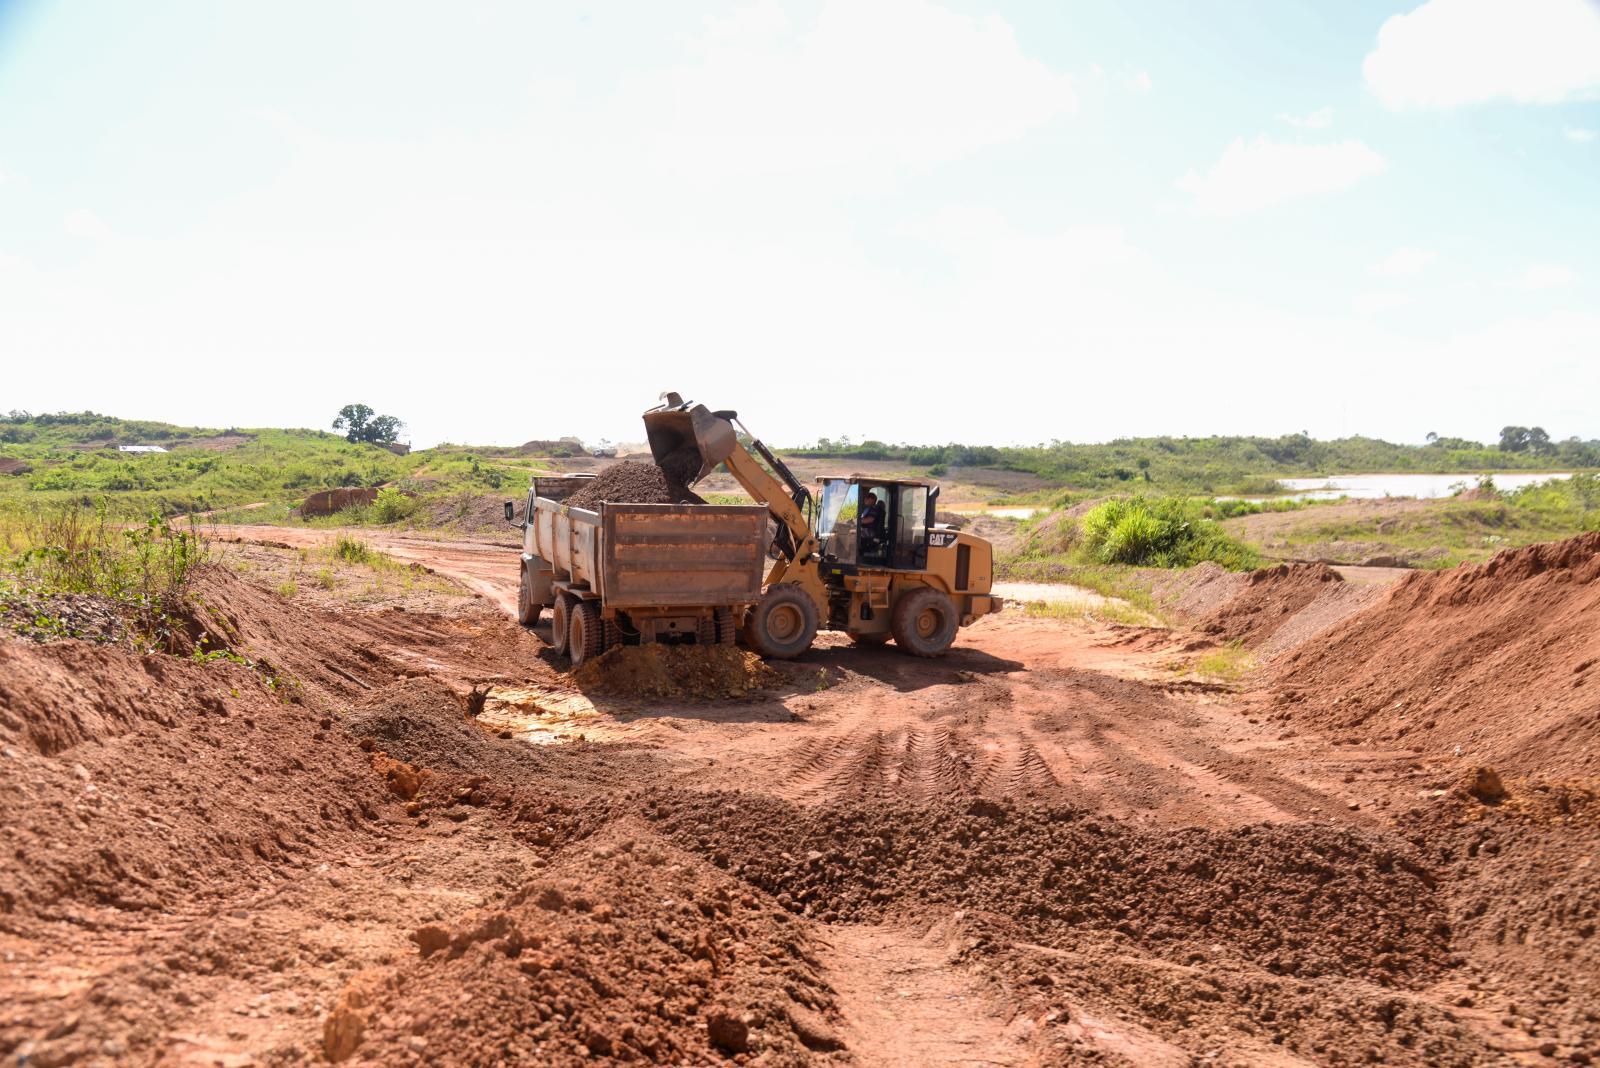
x,y
907,512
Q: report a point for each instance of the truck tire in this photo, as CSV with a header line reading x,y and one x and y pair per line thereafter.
x,y
560,623
528,611
586,636
925,622
725,627
783,624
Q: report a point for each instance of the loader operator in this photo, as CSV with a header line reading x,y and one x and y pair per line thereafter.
x,y
872,527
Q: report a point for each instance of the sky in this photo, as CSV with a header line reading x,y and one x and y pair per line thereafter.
x,y
986,222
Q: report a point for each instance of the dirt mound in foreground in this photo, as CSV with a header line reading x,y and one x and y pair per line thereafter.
x,y
1517,881
694,671
1502,660
148,782
626,949
632,483
1303,901
1266,600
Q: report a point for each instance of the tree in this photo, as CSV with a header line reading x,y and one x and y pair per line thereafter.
x,y
1525,439
362,425
1514,439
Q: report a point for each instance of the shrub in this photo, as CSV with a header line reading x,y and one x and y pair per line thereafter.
x,y
392,506
1160,532
145,571
352,550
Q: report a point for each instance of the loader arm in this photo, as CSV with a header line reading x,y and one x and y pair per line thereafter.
x,y
771,492
689,441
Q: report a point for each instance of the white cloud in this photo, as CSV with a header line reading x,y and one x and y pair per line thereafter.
x,y
1139,81
1579,134
867,89
1542,276
1403,262
1263,173
1366,305
81,222
1448,53
1320,119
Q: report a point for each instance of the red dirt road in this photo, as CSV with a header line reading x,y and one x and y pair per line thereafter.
x,y
1056,845
1022,708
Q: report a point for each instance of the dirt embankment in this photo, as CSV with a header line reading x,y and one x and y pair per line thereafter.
x,y
1501,661
1270,610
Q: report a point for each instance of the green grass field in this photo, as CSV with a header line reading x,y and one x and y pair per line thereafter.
x,y
1166,513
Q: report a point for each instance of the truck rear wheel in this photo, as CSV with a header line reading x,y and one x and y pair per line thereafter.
x,y
528,610
560,623
783,624
925,622
585,639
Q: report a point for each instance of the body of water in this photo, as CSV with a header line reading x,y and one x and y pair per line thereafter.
x,y
1367,487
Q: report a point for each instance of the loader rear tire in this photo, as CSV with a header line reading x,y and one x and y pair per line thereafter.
x,y
585,637
925,622
783,624
560,623
528,611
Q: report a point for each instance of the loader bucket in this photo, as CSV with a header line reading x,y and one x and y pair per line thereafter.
x,y
688,443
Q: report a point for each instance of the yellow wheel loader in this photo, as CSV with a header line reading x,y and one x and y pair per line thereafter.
x,y
863,555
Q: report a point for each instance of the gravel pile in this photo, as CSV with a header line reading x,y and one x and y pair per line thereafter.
x,y
632,483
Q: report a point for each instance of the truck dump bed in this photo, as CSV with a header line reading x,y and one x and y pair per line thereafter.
x,y
651,555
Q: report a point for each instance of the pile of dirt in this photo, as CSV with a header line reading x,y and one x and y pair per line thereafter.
x,y
470,513
1517,883
1496,663
626,949
10,465
633,483
1196,592
1268,598
149,782
1301,901
328,502
704,672
287,641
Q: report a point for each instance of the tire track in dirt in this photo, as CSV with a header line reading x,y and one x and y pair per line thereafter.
x,y
906,1005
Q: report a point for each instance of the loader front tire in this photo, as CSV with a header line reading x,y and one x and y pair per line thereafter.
x,y
925,622
783,624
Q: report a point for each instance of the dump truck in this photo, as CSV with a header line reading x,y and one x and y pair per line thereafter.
x,y
863,555
635,573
